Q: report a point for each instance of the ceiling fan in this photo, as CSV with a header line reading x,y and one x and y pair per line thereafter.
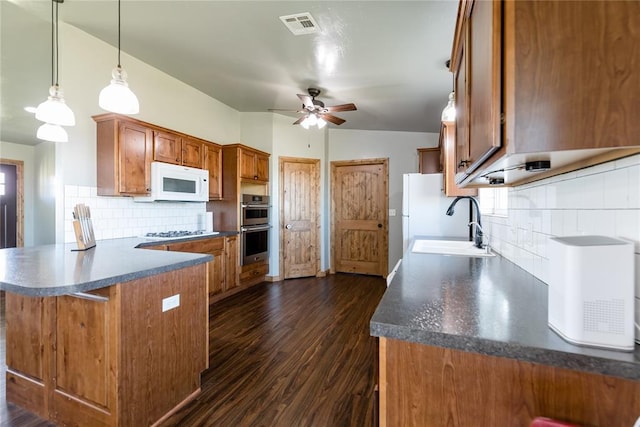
x,y
315,112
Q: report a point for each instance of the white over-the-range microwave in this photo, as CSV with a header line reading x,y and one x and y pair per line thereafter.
x,y
177,183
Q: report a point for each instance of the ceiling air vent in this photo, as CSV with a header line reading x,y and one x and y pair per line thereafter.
x,y
300,23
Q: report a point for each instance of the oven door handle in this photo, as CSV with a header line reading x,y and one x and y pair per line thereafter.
x,y
255,206
258,228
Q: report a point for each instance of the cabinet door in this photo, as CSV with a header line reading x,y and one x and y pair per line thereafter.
x,y
248,165
484,83
231,262
134,158
462,110
215,247
213,163
167,147
429,160
262,167
217,273
192,153
447,147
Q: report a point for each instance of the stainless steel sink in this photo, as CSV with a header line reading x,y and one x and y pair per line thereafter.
x,y
449,247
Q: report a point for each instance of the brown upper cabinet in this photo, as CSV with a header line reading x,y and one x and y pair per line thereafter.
x,y
254,164
124,152
213,163
429,160
544,80
179,150
448,161
126,147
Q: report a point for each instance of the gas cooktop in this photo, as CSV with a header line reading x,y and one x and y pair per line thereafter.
x,y
175,234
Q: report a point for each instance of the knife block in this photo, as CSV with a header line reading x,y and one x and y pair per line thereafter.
x,y
84,239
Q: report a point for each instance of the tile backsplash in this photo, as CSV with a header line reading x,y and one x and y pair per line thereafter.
x,y
115,217
603,200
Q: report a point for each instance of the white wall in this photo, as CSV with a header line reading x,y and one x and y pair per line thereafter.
x,y
46,191
401,150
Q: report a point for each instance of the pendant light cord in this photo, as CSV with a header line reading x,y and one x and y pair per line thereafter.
x,y
52,48
56,33
119,34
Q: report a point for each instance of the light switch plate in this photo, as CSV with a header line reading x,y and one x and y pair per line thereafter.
x,y
392,212
170,303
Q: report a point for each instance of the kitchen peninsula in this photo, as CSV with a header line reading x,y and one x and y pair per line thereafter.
x,y
464,341
112,336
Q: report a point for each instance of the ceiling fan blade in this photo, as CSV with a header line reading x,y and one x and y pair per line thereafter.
x,y
297,122
342,107
307,101
333,119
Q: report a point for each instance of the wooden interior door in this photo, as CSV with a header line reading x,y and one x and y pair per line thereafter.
x,y
299,217
359,220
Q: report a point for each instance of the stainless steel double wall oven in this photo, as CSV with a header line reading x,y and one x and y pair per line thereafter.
x,y
254,229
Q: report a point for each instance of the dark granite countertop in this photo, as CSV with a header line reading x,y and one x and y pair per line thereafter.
x,y
488,306
52,270
150,241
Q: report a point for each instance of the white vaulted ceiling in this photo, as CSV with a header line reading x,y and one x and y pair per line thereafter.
x,y
387,57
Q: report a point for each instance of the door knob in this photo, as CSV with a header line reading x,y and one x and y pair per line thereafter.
x,y
288,226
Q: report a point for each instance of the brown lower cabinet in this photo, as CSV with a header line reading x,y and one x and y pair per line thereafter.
x,y
226,276
116,359
252,274
423,385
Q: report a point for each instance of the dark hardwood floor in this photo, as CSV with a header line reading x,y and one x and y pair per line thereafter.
x,y
292,353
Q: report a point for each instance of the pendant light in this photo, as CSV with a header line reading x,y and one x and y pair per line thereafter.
x,y
449,112
54,111
117,97
53,133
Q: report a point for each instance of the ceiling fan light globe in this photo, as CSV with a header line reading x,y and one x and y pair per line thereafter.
x,y
321,123
52,132
55,110
305,123
313,119
117,97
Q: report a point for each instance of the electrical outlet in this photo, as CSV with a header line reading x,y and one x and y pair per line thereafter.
x,y
170,303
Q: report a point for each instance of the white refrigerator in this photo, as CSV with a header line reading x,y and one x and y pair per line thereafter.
x,y
424,208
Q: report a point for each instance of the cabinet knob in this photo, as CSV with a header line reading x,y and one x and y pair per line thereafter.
x,y
255,176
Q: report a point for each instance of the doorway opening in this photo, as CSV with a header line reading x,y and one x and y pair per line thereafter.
x,y
11,203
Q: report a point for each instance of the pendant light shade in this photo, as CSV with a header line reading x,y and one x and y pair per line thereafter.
x,y
449,112
53,133
54,111
117,97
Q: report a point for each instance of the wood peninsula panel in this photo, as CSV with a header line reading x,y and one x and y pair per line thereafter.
x,y
423,385
28,364
168,349
118,361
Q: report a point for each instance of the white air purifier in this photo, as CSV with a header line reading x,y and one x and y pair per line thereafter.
x,y
591,291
